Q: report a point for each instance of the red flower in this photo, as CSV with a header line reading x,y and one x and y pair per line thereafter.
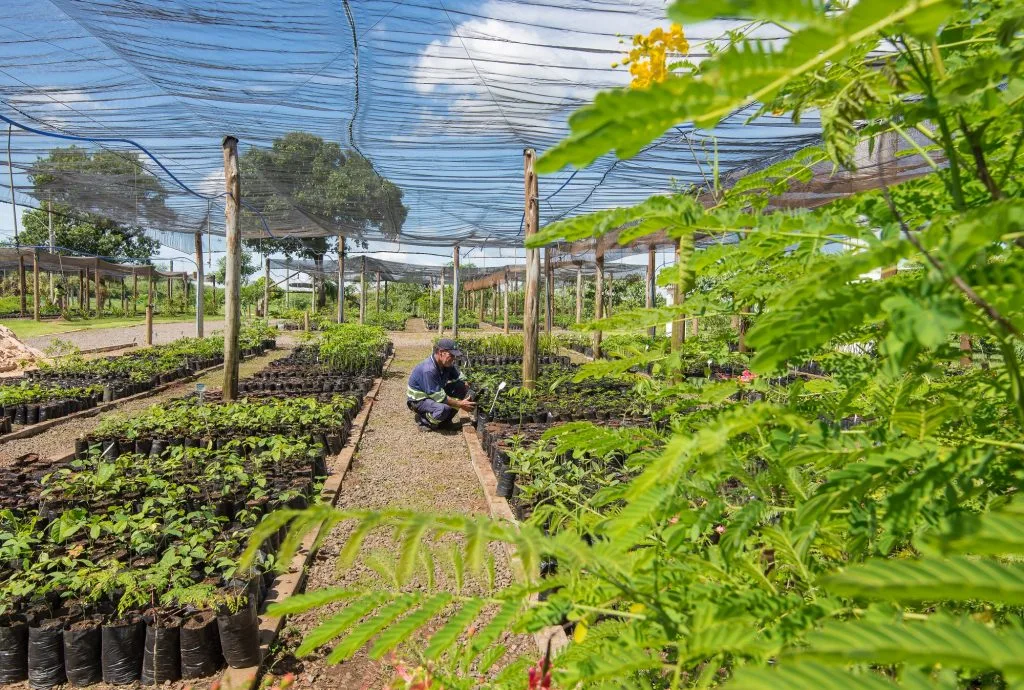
x,y
747,376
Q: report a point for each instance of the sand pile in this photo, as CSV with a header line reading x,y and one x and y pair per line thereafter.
x,y
14,354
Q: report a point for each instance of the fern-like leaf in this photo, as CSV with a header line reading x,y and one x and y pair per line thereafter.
x,y
300,603
338,624
455,626
403,629
807,676
361,634
950,579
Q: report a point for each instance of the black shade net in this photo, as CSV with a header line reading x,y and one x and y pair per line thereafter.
x,y
375,119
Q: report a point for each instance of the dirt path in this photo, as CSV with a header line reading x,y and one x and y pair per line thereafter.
x,y
397,465
61,438
123,335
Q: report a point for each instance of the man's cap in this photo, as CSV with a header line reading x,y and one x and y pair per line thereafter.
x,y
450,345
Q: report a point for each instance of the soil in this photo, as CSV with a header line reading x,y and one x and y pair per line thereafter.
x,y
61,439
397,465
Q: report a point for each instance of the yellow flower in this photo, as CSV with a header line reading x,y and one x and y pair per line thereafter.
x,y
648,57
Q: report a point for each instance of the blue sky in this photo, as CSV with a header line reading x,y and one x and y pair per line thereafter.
x,y
450,92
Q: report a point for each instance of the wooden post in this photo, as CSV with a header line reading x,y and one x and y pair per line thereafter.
x,y
81,290
679,294
200,287
135,292
649,302
378,292
88,294
598,297
362,290
531,306
483,303
385,295
124,297
35,284
549,292
149,310
455,292
233,264
965,349
22,285
266,286
440,307
505,301
341,279
579,293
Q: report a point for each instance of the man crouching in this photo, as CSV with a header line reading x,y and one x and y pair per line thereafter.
x,y
436,388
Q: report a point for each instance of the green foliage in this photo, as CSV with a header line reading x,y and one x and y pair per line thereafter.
x,y
843,515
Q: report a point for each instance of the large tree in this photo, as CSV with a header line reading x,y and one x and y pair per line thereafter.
x,y
100,203
306,185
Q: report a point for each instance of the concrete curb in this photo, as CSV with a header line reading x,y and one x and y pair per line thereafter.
x,y
291,582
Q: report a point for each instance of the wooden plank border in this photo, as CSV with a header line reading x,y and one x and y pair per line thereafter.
x,y
291,582
500,510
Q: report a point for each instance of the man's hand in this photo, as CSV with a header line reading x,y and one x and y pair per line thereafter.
x,y
465,405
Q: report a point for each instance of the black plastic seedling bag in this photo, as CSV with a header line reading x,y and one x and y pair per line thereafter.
x,y
13,651
122,651
240,637
200,646
82,661
161,660
46,654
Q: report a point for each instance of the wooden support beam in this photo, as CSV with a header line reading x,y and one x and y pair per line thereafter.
x,y
651,273
378,292
341,279
483,303
598,298
149,312
200,287
531,306
266,287
455,292
385,295
22,285
81,290
135,292
549,300
440,306
505,301
579,294
35,284
233,266
678,295
362,290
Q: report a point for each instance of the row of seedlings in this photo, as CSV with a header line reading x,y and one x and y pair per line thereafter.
x,y
72,383
124,562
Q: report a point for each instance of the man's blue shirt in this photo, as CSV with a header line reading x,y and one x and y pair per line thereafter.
x,y
428,380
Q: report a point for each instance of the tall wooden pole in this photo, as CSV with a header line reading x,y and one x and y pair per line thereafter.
x,y
287,285
440,307
531,306
455,292
579,293
149,309
341,279
385,295
362,290
378,292
35,284
233,265
200,287
549,292
483,305
135,292
679,294
266,287
598,297
649,302
504,294
124,297
81,290
22,285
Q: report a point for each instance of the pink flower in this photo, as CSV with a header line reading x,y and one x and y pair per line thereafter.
x,y
747,376
720,529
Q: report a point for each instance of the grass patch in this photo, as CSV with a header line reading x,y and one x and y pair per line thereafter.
x,y
27,328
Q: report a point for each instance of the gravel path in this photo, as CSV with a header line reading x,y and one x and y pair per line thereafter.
x,y
61,438
397,465
122,335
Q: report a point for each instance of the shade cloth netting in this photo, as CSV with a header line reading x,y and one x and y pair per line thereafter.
x,y
71,265
438,97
